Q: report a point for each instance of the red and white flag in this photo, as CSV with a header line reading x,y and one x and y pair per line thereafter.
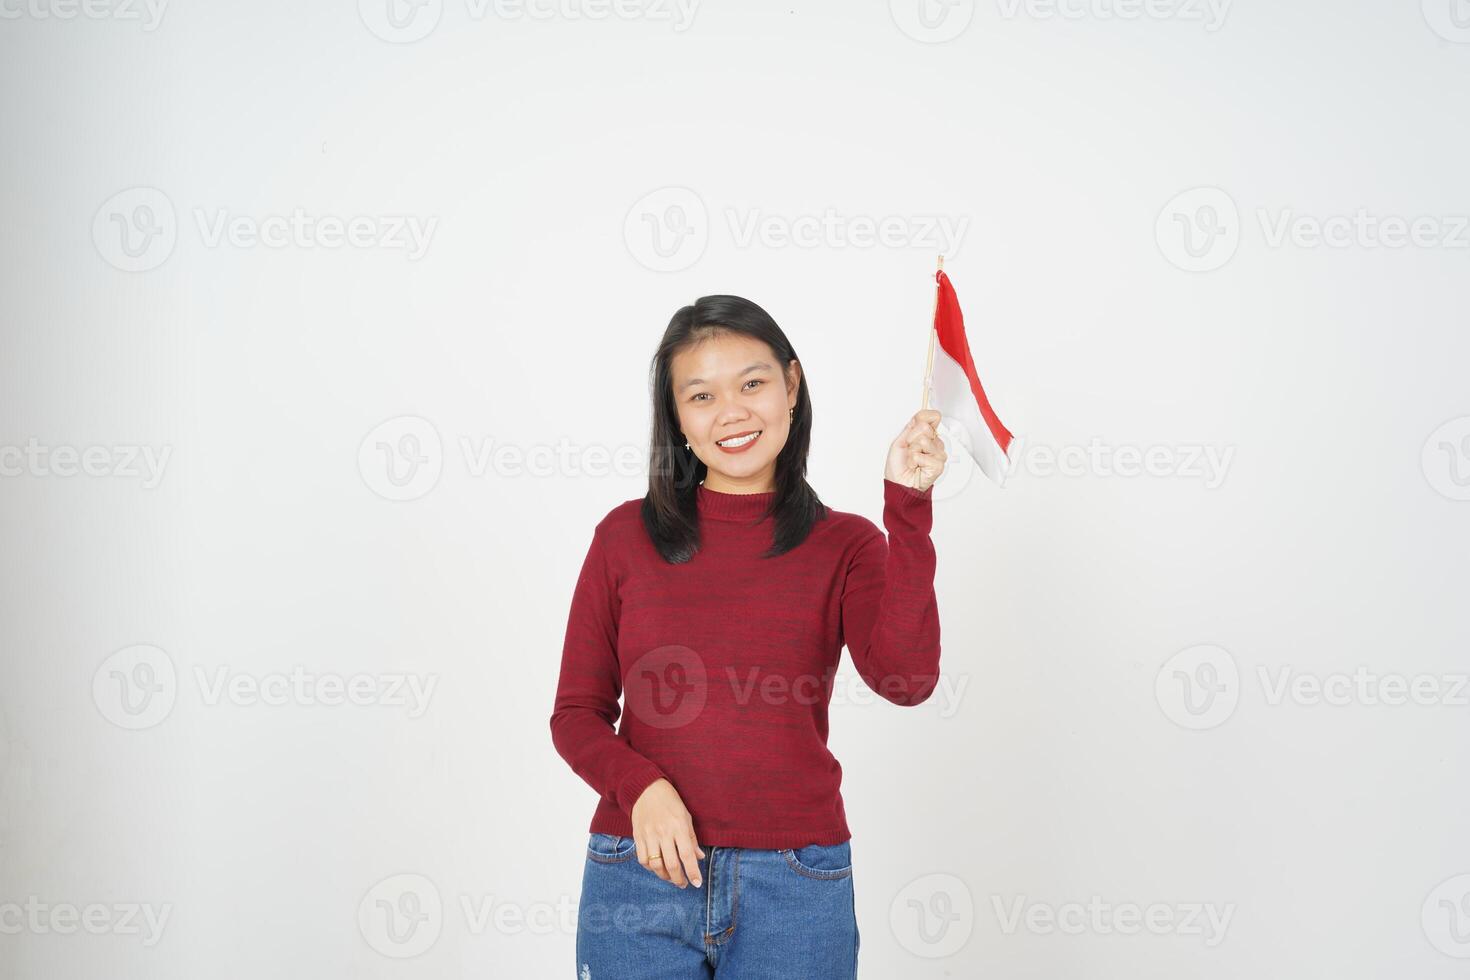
x,y
957,392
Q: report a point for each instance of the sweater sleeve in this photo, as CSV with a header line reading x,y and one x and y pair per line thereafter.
x,y
890,616
587,692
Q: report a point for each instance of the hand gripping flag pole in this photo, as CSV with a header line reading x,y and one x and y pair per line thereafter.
x,y
950,373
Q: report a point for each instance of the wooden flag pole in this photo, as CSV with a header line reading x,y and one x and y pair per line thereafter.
x,y
929,361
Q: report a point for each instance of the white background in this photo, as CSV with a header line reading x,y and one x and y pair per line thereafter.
x,y
1083,152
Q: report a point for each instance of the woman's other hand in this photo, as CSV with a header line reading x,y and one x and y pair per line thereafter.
x,y
662,828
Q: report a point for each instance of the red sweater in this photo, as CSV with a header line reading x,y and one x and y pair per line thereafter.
x,y
726,662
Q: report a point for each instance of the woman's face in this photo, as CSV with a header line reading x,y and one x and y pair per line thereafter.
x,y
727,386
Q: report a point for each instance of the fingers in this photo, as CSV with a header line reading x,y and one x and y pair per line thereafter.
x,y
671,861
674,858
689,855
650,857
925,448
926,439
922,423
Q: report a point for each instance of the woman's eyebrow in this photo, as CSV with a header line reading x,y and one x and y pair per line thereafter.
x,y
758,365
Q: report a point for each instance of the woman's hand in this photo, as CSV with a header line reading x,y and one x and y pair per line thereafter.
x,y
917,456
662,828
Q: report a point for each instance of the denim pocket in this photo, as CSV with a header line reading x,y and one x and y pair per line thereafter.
x,y
820,860
610,849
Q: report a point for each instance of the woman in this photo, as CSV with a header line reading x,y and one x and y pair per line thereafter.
x,y
718,606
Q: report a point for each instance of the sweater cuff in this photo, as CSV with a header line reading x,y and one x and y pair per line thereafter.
x,y
633,785
907,508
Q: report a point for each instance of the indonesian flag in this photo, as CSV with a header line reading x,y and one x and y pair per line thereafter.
x,y
957,392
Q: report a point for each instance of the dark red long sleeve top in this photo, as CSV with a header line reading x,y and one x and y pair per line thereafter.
x,y
725,663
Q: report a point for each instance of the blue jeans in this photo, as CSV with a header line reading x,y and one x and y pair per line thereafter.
x,y
758,915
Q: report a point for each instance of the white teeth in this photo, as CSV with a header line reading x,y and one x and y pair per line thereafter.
x,y
732,443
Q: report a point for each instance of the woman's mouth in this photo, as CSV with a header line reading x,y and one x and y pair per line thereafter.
x,y
740,443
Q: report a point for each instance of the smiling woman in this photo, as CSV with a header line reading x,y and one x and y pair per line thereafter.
x,y
703,604
730,408
731,413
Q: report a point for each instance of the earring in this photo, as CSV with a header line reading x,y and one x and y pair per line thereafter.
x,y
793,414
686,445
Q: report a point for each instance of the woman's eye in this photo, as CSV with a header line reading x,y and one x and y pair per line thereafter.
x,y
705,394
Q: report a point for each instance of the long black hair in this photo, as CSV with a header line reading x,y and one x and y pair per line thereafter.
x,y
670,510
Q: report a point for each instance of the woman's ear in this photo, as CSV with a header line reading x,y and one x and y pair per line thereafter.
x,y
793,379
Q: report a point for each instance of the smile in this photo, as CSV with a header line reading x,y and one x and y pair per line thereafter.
x,y
740,441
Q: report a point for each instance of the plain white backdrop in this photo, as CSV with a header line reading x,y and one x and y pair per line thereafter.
x,y
326,332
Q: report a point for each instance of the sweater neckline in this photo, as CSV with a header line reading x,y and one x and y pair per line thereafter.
x,y
719,505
